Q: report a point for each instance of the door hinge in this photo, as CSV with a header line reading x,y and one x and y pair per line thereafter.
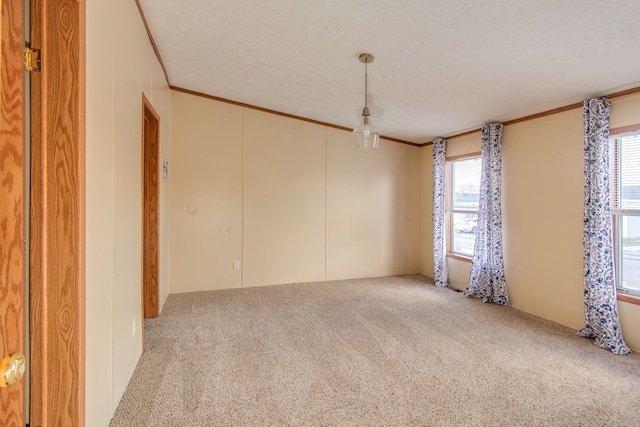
x,y
31,59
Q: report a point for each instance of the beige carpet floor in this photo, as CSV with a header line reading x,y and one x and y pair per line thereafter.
x,y
393,351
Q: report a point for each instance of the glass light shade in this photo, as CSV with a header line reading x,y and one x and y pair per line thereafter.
x,y
367,135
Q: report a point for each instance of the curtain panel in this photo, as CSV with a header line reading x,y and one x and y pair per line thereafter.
x,y
600,300
487,279
439,232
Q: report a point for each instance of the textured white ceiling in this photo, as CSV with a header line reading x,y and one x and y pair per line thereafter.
x,y
441,66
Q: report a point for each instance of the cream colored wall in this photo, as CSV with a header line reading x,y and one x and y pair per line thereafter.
x,y
542,200
372,208
121,66
464,144
292,201
99,215
160,98
630,319
426,211
625,111
542,210
284,200
206,203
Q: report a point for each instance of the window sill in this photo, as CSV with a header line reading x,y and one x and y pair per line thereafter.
x,y
459,257
630,298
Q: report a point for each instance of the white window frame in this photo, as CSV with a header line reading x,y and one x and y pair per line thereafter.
x,y
617,213
450,210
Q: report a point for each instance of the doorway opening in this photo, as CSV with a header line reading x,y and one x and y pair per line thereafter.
x,y
150,220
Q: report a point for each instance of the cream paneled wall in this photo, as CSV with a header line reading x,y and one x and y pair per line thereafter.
x,y
542,200
372,204
426,211
206,203
161,100
292,201
625,111
406,217
99,215
360,215
284,200
121,66
132,54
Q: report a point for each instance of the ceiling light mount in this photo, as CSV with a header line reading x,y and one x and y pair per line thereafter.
x,y
366,58
367,135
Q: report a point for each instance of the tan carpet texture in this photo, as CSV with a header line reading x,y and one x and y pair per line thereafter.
x,y
392,351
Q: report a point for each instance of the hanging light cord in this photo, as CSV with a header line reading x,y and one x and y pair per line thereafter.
x,y
366,85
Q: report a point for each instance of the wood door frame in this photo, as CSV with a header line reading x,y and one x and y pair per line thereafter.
x,y
12,198
58,214
150,290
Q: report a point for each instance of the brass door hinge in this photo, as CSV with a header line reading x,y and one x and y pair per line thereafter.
x,y
31,59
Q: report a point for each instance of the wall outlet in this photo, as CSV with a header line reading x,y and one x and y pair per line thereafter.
x,y
133,328
236,265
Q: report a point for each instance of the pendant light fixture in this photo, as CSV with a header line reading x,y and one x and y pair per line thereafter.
x,y
367,135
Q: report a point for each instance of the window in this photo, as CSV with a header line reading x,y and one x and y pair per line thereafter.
x,y
624,161
463,191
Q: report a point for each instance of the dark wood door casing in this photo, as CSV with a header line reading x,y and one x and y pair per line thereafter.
x,y
150,220
57,296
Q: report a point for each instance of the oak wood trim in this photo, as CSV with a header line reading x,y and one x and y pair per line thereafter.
x,y
624,129
546,113
12,205
82,210
458,135
58,214
622,93
153,42
38,408
146,104
464,156
519,120
279,113
632,299
459,257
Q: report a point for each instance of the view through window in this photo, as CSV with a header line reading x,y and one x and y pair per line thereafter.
x,y
464,191
624,161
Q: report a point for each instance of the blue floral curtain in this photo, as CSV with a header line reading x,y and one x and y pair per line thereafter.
x,y
439,235
600,301
487,280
